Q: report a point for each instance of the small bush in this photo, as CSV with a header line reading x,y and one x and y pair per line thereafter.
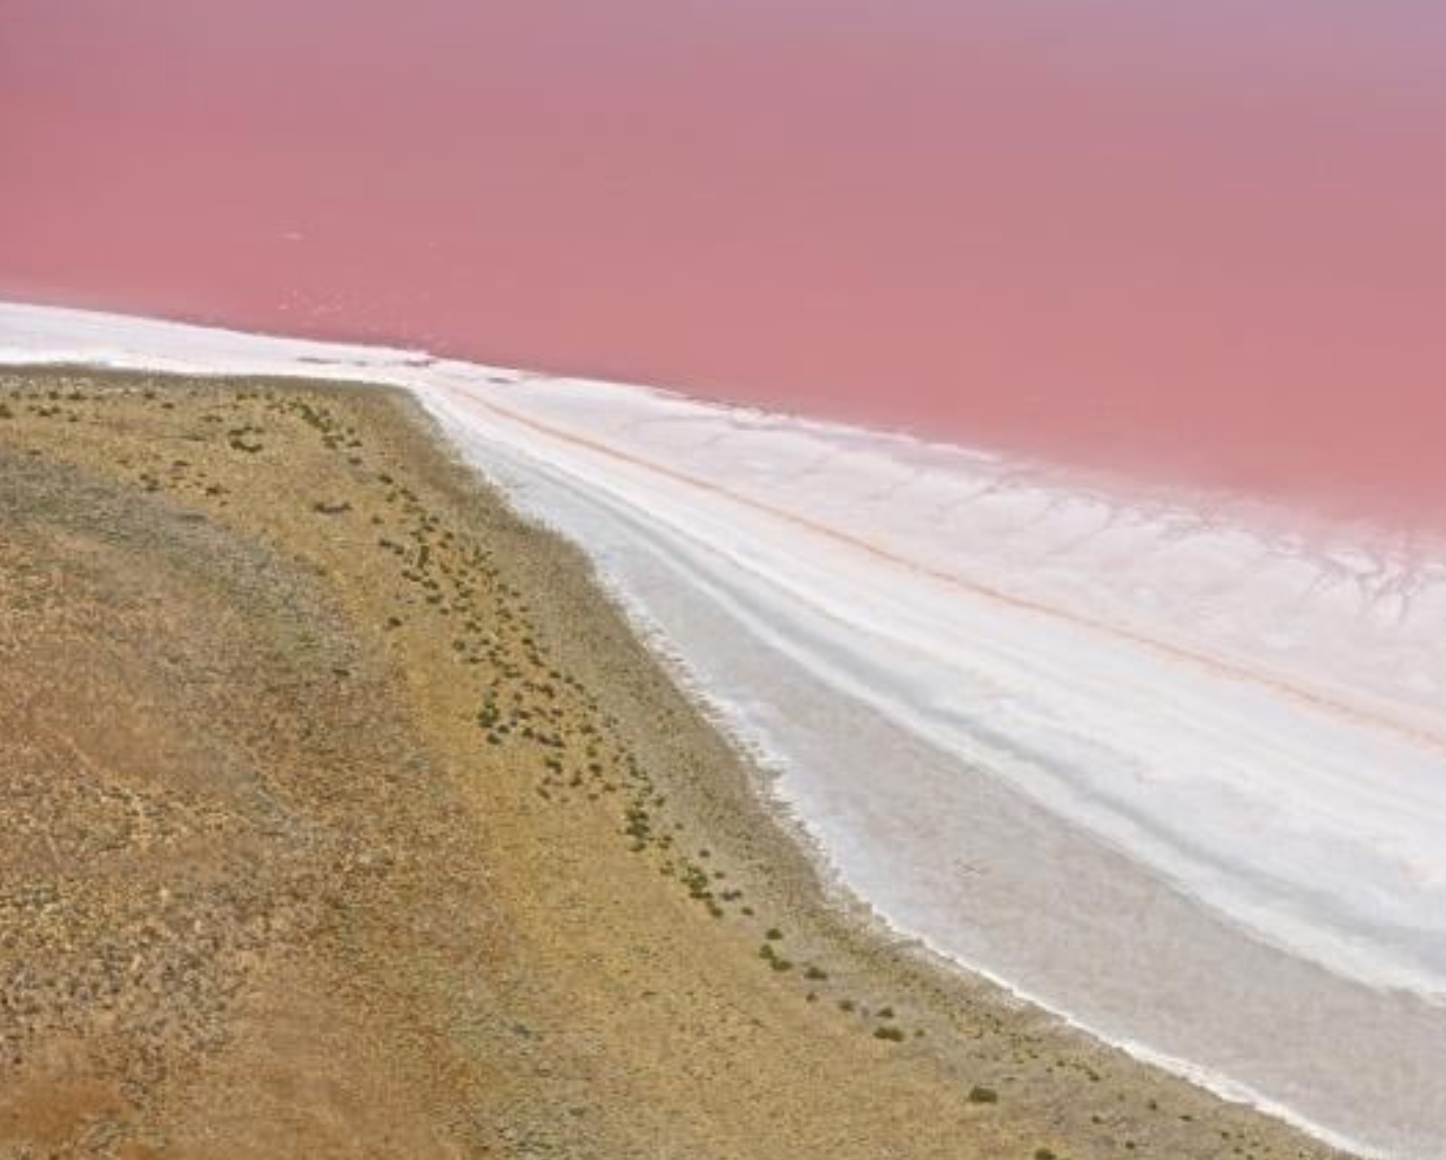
x,y
983,1095
892,1034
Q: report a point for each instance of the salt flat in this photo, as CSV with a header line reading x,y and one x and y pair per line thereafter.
x,y
1174,766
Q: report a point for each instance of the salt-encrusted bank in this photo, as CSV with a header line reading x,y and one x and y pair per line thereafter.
x,y
1175,769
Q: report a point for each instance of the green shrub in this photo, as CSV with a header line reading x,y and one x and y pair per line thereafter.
x,y
776,961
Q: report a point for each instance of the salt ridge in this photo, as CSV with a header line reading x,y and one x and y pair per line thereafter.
x,y
1244,716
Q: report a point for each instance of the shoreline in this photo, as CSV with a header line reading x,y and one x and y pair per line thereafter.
x,y
876,926
765,768
1187,961
714,795
344,360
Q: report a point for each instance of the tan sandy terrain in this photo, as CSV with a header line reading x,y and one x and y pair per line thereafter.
x,y
340,815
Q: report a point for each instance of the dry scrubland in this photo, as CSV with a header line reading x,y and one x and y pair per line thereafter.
x,y
341,816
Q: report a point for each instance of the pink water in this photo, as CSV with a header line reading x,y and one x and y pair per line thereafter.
x,y
1203,240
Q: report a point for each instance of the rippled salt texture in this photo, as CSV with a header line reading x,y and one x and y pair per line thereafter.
x,y
1173,767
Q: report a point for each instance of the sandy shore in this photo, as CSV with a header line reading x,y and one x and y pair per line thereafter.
x,y
350,819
